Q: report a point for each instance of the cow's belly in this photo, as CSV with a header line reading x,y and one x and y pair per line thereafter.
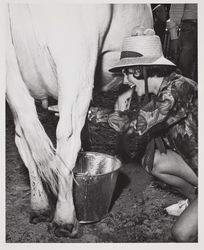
x,y
35,61
37,37
34,38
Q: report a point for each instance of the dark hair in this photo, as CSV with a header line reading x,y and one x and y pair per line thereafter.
x,y
155,70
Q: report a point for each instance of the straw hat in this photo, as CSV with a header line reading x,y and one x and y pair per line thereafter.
x,y
142,48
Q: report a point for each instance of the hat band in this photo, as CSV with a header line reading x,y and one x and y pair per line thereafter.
x,y
126,54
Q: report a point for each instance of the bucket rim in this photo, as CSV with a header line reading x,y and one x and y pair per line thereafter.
x,y
98,153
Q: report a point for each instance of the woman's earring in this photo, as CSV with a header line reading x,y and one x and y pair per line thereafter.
x,y
123,71
136,74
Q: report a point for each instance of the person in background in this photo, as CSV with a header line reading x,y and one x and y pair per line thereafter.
x,y
160,16
182,25
169,118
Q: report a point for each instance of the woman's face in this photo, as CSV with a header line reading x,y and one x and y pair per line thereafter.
x,y
132,81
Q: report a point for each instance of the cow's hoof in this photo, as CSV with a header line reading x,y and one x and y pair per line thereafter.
x,y
66,230
40,216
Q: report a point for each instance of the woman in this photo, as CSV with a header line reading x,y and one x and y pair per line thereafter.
x,y
169,119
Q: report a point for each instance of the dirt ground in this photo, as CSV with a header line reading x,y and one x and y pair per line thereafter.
x,y
137,209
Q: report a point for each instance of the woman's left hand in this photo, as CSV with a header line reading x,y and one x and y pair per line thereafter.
x,y
98,115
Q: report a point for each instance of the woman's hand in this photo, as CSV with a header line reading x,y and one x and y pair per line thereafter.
x,y
119,121
98,115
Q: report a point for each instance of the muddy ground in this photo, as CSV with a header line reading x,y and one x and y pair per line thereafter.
x,y
137,209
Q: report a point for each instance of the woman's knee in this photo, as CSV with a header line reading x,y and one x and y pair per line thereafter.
x,y
183,234
186,227
156,170
158,165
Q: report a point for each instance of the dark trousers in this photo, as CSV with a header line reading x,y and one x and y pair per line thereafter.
x,y
188,49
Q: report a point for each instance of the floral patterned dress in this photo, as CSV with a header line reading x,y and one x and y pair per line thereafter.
x,y
170,120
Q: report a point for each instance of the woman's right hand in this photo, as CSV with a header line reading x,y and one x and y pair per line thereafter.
x,y
119,121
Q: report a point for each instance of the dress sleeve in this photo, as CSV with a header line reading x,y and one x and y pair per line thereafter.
x,y
154,113
165,110
169,107
149,116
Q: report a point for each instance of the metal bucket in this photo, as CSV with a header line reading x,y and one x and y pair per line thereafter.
x,y
96,175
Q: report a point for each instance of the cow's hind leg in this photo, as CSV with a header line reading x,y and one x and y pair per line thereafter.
x,y
40,209
32,142
73,112
65,223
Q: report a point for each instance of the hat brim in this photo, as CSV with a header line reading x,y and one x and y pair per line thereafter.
x,y
140,61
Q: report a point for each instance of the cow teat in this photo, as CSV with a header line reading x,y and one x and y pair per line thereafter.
x,y
138,31
44,103
141,31
149,32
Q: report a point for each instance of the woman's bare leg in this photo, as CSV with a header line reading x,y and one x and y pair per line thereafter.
x,y
186,227
173,170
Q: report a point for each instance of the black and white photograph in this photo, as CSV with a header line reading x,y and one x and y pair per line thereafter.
x,y
101,122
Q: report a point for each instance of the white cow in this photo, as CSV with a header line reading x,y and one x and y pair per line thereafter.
x,y
53,51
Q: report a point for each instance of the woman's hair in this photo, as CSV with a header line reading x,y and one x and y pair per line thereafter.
x,y
154,70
